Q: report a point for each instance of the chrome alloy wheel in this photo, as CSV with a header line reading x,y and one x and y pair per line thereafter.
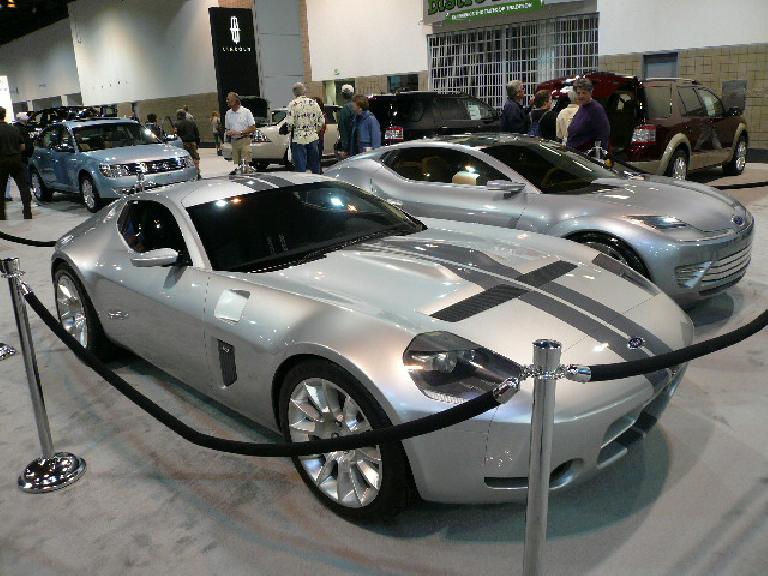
x,y
36,187
680,168
89,196
608,250
71,309
741,155
320,409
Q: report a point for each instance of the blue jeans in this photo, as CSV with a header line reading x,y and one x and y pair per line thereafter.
x,y
306,155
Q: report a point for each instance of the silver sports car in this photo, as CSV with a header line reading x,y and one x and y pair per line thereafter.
x,y
690,239
318,310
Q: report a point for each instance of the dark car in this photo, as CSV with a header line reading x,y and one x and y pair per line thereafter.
x,y
668,126
411,115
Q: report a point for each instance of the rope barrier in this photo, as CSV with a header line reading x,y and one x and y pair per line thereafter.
x,y
431,423
744,185
601,372
20,240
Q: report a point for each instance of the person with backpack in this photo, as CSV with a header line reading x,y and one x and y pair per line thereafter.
x,y
541,103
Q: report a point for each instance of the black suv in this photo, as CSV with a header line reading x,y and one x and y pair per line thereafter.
x,y
411,115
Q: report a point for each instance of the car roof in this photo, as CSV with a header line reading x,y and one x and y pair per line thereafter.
x,y
94,122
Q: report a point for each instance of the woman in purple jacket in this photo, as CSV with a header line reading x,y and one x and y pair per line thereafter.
x,y
590,124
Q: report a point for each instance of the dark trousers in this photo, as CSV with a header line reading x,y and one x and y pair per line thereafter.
x,y
306,155
11,166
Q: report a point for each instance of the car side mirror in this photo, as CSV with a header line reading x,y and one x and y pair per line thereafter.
x,y
157,257
733,111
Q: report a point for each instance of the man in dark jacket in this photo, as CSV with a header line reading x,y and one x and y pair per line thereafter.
x,y
513,117
346,121
11,148
187,130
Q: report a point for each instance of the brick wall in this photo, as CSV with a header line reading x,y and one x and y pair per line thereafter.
x,y
200,106
711,66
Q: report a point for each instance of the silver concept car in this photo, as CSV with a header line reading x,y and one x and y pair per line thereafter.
x,y
317,309
690,239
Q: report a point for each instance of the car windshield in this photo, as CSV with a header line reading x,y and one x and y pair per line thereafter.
x,y
277,228
550,167
112,135
278,115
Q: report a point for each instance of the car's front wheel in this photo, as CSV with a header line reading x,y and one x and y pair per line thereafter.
x,y
321,400
90,194
738,162
39,190
614,247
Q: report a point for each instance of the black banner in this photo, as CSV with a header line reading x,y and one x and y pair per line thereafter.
x,y
234,54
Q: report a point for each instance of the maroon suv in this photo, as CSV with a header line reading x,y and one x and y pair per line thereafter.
x,y
667,125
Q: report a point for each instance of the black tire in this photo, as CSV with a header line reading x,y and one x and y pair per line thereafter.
x,y
735,166
394,485
260,165
678,165
96,341
39,190
287,163
90,199
614,247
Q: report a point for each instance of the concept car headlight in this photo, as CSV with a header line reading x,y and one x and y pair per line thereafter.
x,y
449,368
658,222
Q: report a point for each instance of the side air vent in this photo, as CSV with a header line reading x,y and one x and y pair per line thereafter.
x,y
227,363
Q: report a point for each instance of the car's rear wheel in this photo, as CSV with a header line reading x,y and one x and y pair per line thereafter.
x,y
77,315
90,194
735,166
321,400
614,247
39,190
259,165
678,165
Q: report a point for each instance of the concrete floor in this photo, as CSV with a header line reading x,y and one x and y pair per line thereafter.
x,y
692,498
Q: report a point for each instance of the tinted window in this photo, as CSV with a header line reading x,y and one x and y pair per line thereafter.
x,y
278,227
48,138
478,110
445,165
330,114
452,109
691,103
400,109
112,135
63,136
658,101
146,225
712,103
553,169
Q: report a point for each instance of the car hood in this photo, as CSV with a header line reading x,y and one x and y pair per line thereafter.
x,y
695,204
142,153
489,285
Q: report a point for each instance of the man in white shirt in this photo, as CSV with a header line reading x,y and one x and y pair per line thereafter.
x,y
239,125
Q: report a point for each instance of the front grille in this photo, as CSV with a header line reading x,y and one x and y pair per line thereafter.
x,y
727,268
155,166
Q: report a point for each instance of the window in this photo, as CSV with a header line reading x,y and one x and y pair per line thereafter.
x,y
146,225
451,109
48,138
478,110
398,82
658,101
691,103
113,135
660,65
712,103
445,165
63,136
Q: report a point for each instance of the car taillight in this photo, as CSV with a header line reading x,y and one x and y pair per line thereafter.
x,y
393,133
644,133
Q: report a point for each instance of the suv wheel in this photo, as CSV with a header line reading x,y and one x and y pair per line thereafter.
x,y
678,165
736,165
40,191
89,194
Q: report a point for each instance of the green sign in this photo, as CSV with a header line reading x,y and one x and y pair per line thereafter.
x,y
453,11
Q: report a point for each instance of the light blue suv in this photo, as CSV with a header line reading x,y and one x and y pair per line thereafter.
x,y
100,160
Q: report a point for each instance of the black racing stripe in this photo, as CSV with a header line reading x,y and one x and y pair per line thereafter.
x,y
276,180
478,303
596,330
546,274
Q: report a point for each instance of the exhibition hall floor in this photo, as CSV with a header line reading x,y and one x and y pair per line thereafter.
x,y
691,499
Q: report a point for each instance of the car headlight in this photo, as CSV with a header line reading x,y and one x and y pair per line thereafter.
x,y
658,222
188,162
258,136
115,170
449,368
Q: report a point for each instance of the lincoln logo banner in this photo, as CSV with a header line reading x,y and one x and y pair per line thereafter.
x,y
234,53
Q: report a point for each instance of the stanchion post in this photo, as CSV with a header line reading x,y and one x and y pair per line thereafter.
x,y
546,363
55,469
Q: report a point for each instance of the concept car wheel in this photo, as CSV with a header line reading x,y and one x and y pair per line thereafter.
x,y
321,400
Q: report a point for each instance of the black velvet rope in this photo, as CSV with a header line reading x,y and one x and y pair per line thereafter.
x,y
424,425
744,185
647,365
20,240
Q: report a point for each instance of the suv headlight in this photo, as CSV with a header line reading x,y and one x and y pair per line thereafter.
x,y
658,222
115,170
188,162
258,136
449,368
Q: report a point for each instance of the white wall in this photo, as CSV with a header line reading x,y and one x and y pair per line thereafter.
x,y
141,49
278,40
657,25
349,38
41,64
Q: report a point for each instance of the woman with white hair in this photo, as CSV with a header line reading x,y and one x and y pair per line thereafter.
x,y
590,125
566,115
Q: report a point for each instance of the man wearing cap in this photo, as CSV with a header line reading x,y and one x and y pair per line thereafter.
x,y
239,125
346,121
304,120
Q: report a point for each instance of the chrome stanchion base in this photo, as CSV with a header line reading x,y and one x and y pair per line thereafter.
x,y
6,351
49,474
